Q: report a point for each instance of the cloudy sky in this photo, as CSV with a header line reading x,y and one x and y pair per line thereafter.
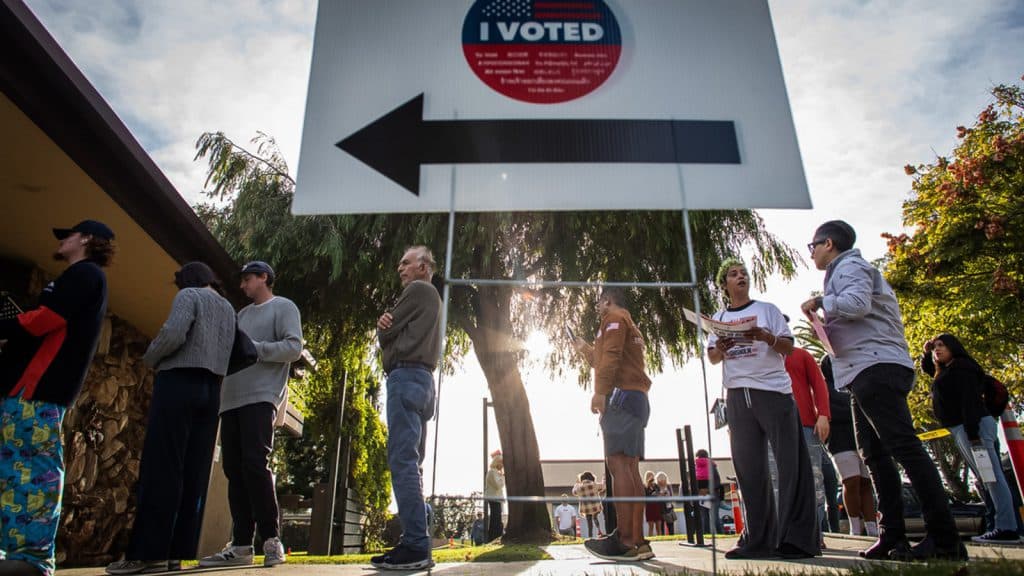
x,y
873,85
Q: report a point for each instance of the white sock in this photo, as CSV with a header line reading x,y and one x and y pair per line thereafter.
x,y
856,526
872,528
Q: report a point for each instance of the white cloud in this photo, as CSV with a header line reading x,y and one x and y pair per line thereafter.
x,y
173,70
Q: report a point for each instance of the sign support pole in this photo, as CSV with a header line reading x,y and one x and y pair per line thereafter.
x,y
693,285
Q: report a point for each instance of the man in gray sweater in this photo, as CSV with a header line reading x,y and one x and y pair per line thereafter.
x,y
410,340
249,403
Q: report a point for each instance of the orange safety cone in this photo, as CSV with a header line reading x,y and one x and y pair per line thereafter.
x,y
1014,445
737,511
451,542
578,527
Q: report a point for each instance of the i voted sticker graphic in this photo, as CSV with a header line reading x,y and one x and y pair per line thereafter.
x,y
542,51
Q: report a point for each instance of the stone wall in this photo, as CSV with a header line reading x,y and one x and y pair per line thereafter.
x,y
103,437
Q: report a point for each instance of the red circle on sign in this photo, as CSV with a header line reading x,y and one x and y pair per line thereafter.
x,y
542,51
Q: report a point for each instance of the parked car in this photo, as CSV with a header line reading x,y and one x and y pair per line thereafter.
x,y
969,516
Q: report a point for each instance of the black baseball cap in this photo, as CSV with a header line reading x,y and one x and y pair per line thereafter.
x,y
86,227
258,267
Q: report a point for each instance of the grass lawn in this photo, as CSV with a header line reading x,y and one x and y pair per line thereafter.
x,y
533,553
485,553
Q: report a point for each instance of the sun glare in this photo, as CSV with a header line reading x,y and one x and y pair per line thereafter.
x,y
537,345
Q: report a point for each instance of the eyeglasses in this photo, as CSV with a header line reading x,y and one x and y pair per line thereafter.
x,y
810,247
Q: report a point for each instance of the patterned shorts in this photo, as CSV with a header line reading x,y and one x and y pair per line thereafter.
x,y
31,481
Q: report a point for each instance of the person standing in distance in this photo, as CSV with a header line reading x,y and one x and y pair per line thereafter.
x,y
249,401
565,518
42,369
410,341
872,361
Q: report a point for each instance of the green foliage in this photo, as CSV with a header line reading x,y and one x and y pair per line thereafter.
x,y
453,515
961,270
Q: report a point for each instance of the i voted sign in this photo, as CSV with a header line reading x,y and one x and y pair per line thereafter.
x,y
520,105
541,51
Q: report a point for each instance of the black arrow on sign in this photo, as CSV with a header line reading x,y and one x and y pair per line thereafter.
x,y
400,141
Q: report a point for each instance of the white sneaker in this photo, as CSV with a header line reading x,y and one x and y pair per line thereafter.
x,y
229,556
273,552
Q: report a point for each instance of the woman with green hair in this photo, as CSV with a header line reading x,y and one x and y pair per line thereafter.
x,y
762,412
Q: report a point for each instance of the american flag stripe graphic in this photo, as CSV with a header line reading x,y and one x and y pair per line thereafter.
x,y
542,10
548,10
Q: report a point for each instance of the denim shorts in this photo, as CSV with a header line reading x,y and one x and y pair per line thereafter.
x,y
623,423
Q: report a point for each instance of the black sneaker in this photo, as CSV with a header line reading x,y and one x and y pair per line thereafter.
x,y
928,549
997,537
402,558
882,548
787,551
741,553
611,548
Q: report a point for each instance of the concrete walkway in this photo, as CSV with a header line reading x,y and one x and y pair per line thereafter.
x,y
840,556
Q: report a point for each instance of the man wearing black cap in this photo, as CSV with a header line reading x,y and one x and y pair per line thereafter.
x,y
872,362
249,401
42,369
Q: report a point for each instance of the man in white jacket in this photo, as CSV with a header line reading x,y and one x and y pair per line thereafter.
x,y
872,362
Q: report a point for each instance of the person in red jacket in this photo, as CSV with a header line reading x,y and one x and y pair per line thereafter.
x,y
811,396
43,364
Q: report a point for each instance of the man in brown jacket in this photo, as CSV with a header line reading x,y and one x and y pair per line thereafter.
x,y
620,397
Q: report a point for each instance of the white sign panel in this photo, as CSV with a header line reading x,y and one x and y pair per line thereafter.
x,y
522,105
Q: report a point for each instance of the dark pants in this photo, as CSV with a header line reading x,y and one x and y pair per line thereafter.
x,y
885,432
246,439
828,471
757,417
494,526
175,467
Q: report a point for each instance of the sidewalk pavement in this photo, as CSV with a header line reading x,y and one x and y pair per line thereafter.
x,y
671,558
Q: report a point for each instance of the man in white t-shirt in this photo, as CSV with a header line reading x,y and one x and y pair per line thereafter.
x,y
761,409
565,518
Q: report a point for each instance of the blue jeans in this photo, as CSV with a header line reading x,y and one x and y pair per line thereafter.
x,y
410,405
816,452
999,490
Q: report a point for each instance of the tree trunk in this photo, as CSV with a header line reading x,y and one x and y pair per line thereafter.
x,y
527,522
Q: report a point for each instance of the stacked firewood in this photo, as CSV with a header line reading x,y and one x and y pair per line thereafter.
x,y
103,437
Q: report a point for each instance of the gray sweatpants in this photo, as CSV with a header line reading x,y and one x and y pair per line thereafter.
x,y
755,418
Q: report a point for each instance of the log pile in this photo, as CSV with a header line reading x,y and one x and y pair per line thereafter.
x,y
103,437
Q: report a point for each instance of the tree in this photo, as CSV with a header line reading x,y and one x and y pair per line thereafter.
x,y
351,259
250,218
961,269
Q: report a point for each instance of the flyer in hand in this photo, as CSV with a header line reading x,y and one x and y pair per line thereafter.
x,y
734,329
819,329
